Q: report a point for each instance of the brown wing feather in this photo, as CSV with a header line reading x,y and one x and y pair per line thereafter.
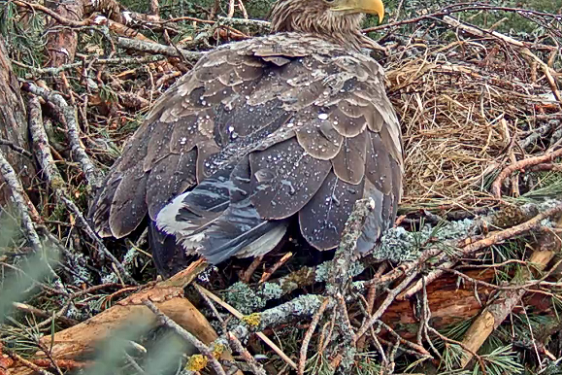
x,y
284,179
379,166
128,207
349,163
322,220
319,138
171,176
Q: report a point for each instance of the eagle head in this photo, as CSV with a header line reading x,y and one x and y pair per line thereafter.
x,y
339,18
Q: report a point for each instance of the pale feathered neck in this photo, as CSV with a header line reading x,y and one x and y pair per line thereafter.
x,y
315,17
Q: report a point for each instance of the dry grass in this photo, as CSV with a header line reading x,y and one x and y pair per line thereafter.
x,y
464,108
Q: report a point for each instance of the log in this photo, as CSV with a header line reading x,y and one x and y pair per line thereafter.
x,y
85,337
449,304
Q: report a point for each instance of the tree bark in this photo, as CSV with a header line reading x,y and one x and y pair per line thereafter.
x,y
61,45
13,125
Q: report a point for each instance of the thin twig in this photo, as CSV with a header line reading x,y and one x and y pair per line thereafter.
x,y
390,297
520,165
268,273
16,148
236,345
306,340
263,322
204,349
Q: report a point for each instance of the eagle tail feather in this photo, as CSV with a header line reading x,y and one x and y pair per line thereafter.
x,y
240,231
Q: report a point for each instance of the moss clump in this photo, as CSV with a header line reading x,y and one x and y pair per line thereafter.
x,y
303,276
197,362
513,215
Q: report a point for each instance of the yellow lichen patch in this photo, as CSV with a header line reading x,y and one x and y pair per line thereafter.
x,y
218,350
253,320
196,362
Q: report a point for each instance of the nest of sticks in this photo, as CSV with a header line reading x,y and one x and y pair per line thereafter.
x,y
477,235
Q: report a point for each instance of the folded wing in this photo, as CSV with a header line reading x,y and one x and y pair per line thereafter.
x,y
259,133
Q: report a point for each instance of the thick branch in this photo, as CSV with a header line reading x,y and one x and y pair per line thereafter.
x,y
17,197
158,49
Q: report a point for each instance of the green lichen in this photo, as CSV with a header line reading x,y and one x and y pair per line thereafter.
x,y
348,359
324,269
243,298
247,300
270,291
399,245
305,305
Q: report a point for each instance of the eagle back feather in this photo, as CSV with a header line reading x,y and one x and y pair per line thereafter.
x,y
292,124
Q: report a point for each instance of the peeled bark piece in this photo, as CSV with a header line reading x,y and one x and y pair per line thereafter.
x,y
448,302
168,296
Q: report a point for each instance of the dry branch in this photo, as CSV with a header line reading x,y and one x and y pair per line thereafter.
x,y
158,49
489,240
41,146
306,340
167,296
520,165
494,315
92,174
48,167
21,203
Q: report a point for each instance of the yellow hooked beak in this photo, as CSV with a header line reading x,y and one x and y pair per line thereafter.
x,y
363,6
